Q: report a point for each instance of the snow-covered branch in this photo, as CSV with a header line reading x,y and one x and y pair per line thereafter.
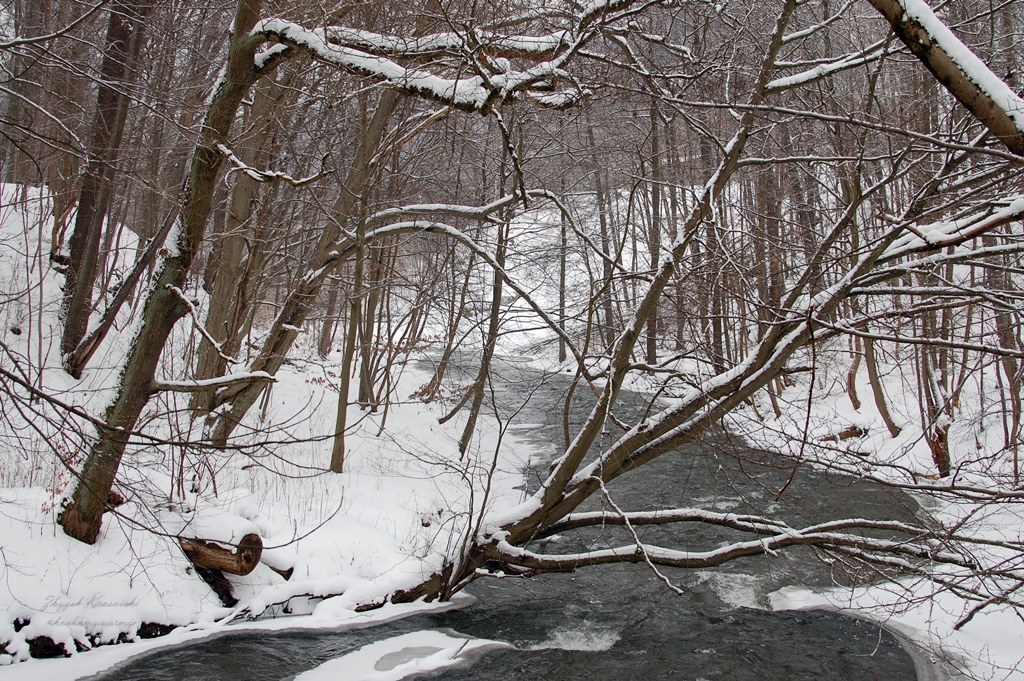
x,y
474,84
914,548
445,43
954,232
194,313
831,68
435,211
960,71
735,521
238,165
194,386
917,340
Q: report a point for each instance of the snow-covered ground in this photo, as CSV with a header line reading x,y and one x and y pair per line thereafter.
x,y
405,502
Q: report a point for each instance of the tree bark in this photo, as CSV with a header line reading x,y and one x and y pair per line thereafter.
x,y
123,43
82,516
221,324
323,346
608,328
654,235
301,298
490,341
345,373
213,556
952,75
876,387
563,244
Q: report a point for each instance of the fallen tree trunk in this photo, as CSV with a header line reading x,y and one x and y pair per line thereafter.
x,y
212,560
212,556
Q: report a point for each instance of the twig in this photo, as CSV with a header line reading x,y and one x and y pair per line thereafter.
x,y
269,175
636,538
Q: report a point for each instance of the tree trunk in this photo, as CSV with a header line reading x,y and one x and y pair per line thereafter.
x,y
213,556
933,401
563,244
876,387
371,317
675,207
302,297
345,373
221,324
608,328
22,149
654,235
480,384
82,516
323,346
999,281
123,43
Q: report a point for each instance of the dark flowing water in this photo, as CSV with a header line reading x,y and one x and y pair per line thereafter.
x,y
620,622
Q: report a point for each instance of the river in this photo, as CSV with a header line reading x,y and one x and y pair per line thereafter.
x,y
620,622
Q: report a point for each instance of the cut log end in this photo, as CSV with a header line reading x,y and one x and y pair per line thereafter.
x,y
213,556
846,434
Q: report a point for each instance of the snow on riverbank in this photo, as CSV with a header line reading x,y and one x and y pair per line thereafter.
x,y
815,411
405,501
106,658
350,539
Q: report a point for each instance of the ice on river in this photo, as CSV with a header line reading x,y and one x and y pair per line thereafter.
x,y
430,650
401,656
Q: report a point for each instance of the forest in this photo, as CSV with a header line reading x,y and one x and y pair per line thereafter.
x,y
265,266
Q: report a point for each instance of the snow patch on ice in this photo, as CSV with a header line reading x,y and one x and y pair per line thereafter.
x,y
401,656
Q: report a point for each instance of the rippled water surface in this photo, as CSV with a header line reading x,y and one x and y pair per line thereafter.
x,y
619,622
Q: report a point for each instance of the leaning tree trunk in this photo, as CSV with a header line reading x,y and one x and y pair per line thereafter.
x,y
944,59
212,361
234,404
999,280
82,516
876,386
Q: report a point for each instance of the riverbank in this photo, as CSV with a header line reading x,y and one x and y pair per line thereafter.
x,y
956,624
392,521
385,524
616,621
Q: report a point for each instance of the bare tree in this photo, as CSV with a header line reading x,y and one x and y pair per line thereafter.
x,y
799,211
167,303
123,44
